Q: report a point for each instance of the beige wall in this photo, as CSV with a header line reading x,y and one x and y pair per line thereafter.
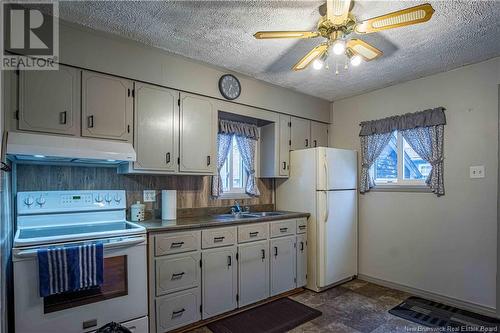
x,y
446,245
90,49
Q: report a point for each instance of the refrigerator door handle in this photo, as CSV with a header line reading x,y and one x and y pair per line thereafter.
x,y
325,166
327,210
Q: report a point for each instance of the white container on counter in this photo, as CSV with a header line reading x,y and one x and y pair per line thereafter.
x,y
137,212
168,204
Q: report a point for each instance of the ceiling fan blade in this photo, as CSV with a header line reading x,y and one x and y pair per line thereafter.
x,y
365,50
318,51
401,18
285,34
337,10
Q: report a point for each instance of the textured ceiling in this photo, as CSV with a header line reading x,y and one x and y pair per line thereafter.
x,y
220,33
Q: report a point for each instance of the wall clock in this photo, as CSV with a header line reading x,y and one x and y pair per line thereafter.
x,y
229,86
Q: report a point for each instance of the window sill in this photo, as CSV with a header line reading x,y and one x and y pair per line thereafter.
x,y
234,195
401,188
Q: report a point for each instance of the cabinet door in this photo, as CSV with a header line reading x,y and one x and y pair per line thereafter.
x,y
253,272
301,247
319,134
49,101
284,145
106,107
300,133
219,281
155,131
198,134
283,261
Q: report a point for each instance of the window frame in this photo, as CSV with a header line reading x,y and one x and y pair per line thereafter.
x,y
234,192
400,182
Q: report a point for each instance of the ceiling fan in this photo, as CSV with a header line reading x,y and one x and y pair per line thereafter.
x,y
336,26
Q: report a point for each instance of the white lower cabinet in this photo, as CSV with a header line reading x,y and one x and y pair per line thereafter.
x,y
253,272
219,281
176,310
301,246
283,264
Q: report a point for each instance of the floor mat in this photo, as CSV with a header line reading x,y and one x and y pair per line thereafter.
x,y
278,316
445,317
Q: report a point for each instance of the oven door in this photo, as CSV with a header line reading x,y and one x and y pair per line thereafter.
x,y
122,297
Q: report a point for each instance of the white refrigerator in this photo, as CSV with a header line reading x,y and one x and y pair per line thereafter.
x,y
323,182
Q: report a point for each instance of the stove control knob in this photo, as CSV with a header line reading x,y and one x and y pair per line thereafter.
x,y
29,201
108,198
118,198
98,198
40,201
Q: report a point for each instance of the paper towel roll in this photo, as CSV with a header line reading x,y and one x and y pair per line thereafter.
x,y
168,204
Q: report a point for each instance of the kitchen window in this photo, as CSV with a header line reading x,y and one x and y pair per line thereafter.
x,y
399,164
233,173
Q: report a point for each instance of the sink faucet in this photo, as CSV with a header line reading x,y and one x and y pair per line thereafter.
x,y
236,207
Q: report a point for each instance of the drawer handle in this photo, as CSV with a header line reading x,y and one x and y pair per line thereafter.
x,y
275,251
302,227
263,254
254,233
283,229
218,239
179,312
229,261
176,276
301,246
176,245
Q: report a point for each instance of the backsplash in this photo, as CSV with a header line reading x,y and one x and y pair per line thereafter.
x,y
192,191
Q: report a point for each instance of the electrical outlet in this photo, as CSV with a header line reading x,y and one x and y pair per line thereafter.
x,y
476,171
149,195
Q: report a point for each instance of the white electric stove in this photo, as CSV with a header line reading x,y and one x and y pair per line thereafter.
x,y
57,218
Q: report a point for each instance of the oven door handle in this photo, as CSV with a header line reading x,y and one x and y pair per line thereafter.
x,y
125,242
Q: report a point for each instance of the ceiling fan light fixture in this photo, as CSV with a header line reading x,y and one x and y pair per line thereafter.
x,y
318,64
338,47
356,60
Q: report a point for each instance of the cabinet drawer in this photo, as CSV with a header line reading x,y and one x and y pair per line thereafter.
x,y
175,273
177,243
218,237
301,226
283,228
176,310
137,325
252,232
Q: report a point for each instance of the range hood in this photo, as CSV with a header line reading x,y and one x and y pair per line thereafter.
x,y
52,149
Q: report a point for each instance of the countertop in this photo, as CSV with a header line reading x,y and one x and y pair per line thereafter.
x,y
201,222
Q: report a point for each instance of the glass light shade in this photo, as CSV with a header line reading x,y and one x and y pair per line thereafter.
x,y
356,60
338,47
317,64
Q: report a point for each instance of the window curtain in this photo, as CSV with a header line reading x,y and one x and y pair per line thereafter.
x,y
247,150
371,148
424,132
247,136
427,142
223,146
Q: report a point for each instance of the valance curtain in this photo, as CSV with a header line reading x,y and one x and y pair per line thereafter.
x,y
424,132
246,139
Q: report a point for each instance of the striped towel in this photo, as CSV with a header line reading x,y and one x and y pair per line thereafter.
x,y
70,268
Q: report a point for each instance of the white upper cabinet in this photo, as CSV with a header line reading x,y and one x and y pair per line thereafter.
x,y
300,133
253,272
219,281
319,134
49,101
156,128
198,134
106,106
283,264
284,145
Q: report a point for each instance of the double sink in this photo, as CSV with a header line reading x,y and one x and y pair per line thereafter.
x,y
248,215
